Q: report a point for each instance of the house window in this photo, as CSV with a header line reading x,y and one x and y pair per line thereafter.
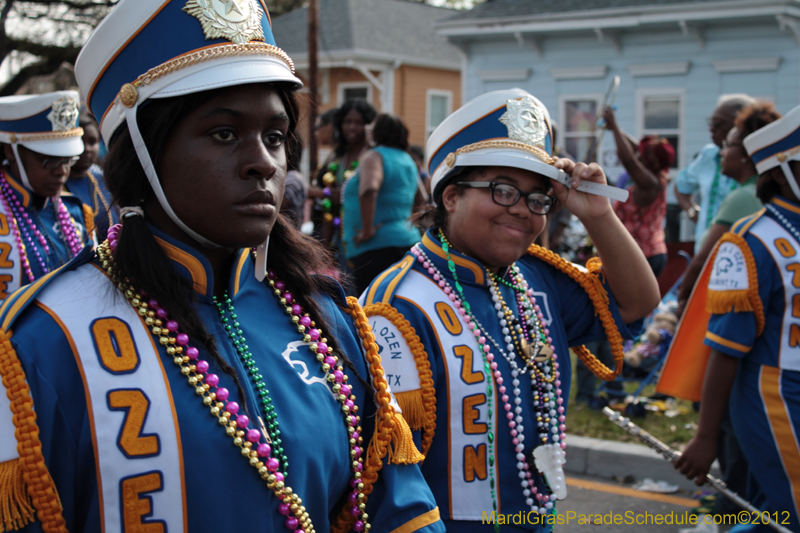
x,y
354,91
439,106
661,113
578,115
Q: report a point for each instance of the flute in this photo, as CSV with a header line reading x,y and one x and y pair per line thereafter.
x,y
671,455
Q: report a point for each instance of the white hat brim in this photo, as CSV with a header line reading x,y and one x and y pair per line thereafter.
x,y
248,70
492,157
69,147
206,76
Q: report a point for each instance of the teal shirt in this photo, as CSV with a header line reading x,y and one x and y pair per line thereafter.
x,y
392,207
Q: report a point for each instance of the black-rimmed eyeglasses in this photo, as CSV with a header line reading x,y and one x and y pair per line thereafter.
x,y
507,195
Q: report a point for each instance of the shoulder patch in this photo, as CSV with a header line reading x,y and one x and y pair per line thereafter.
x,y
407,368
733,281
729,270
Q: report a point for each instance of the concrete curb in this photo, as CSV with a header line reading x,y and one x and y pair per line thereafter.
x,y
607,459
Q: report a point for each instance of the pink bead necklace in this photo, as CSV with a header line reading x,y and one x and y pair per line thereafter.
x,y
252,444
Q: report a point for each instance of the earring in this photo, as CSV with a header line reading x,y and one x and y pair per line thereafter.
x,y
744,160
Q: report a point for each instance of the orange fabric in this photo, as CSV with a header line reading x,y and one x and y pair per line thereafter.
x,y
685,367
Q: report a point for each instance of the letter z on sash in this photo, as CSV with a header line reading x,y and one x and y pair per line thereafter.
x,y
136,444
470,493
10,265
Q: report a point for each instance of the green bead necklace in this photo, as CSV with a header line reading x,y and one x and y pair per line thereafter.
x,y
232,327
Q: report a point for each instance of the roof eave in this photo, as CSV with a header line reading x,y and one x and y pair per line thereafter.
x,y
616,18
371,60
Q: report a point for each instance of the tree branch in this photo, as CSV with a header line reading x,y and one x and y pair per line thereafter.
x,y
40,68
49,51
75,5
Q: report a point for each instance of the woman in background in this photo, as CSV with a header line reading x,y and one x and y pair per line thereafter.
x,y
378,202
350,134
648,168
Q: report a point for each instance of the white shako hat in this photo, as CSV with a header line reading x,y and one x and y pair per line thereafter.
x,y
44,123
160,49
775,145
508,128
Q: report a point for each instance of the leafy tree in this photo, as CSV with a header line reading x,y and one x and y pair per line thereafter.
x,y
48,32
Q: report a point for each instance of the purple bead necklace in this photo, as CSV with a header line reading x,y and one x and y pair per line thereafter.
x,y
69,230
22,226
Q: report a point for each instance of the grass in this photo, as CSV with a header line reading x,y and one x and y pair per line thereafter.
x,y
675,431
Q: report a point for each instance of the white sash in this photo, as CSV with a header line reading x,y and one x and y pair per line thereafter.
x,y
140,463
468,499
8,441
785,251
10,264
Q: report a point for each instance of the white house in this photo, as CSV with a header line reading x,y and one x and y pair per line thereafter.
x,y
674,58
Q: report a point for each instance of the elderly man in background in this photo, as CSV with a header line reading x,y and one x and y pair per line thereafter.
x,y
704,172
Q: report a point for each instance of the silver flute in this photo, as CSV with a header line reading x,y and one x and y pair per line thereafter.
x,y
671,455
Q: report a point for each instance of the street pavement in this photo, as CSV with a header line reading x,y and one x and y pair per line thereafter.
x,y
601,497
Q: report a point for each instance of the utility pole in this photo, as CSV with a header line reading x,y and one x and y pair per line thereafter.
x,y
312,83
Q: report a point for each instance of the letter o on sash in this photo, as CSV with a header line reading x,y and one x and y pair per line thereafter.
x,y
785,247
449,318
114,344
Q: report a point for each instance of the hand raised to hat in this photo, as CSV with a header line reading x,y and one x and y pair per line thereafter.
x,y
582,205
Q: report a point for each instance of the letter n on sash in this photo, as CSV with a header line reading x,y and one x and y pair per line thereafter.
x,y
474,462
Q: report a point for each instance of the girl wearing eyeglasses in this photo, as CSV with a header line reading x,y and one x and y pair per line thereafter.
x,y
41,227
475,323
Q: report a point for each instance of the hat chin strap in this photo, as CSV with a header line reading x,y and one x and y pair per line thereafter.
x,y
23,176
152,177
790,177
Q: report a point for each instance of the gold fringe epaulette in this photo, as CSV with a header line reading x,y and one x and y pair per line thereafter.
x,y
592,283
737,301
419,406
28,481
16,509
392,435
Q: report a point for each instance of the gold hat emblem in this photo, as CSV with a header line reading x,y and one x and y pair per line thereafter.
x,y
525,121
64,114
239,21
